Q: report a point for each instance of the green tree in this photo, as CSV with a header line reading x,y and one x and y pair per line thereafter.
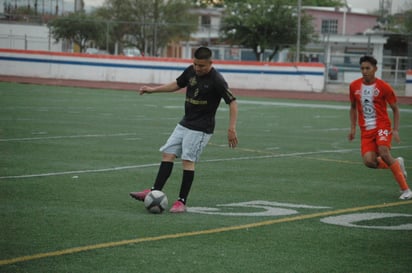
x,y
209,3
318,3
408,21
264,25
403,23
148,24
78,28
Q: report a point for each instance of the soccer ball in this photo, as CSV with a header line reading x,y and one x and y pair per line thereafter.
x,y
155,201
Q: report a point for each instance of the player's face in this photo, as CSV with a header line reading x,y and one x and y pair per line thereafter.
x,y
202,67
368,72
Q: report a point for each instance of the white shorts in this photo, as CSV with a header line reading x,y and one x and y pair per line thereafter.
x,y
186,144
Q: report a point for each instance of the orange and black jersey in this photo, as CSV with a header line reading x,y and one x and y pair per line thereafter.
x,y
203,96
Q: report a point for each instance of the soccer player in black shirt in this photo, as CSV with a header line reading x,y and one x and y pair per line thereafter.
x,y
205,87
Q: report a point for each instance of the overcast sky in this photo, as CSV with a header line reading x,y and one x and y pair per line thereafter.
x,y
368,5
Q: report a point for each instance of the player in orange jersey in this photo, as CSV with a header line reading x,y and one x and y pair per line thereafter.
x,y
369,97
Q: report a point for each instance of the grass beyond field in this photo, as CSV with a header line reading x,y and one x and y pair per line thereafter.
x,y
293,197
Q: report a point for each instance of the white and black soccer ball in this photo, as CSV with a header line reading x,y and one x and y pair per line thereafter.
x,y
156,201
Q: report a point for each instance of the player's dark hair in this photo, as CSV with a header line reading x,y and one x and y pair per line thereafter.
x,y
203,53
368,59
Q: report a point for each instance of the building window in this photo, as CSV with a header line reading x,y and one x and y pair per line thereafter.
x,y
205,21
329,26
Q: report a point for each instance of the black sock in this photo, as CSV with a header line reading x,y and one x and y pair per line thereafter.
x,y
163,174
187,180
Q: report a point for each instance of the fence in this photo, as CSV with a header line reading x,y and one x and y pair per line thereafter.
x,y
24,42
28,37
341,70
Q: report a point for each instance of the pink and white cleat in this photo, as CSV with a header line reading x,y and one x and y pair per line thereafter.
x,y
140,195
178,207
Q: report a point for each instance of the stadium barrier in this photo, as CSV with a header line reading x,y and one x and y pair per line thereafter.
x,y
408,88
245,75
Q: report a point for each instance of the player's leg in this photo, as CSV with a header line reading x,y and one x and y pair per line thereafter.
x,y
369,150
165,170
370,159
187,181
163,173
396,165
193,144
170,150
384,158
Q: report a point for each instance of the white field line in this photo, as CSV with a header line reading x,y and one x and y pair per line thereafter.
x,y
291,104
305,105
80,171
250,102
347,129
65,137
120,168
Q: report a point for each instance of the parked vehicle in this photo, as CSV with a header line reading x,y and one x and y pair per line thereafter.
x,y
132,52
92,50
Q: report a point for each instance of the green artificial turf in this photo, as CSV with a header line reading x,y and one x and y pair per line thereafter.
x,y
70,156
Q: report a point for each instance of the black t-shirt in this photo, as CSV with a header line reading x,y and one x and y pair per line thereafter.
x,y
203,95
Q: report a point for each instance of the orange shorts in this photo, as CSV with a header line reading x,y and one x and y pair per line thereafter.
x,y
372,139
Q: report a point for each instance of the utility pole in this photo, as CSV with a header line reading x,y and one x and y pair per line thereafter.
x,y
155,20
385,8
345,11
297,57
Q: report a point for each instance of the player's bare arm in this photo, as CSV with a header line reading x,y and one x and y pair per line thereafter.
x,y
231,133
170,87
352,116
396,118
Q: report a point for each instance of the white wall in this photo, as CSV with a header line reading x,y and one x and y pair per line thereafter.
x,y
245,75
408,88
